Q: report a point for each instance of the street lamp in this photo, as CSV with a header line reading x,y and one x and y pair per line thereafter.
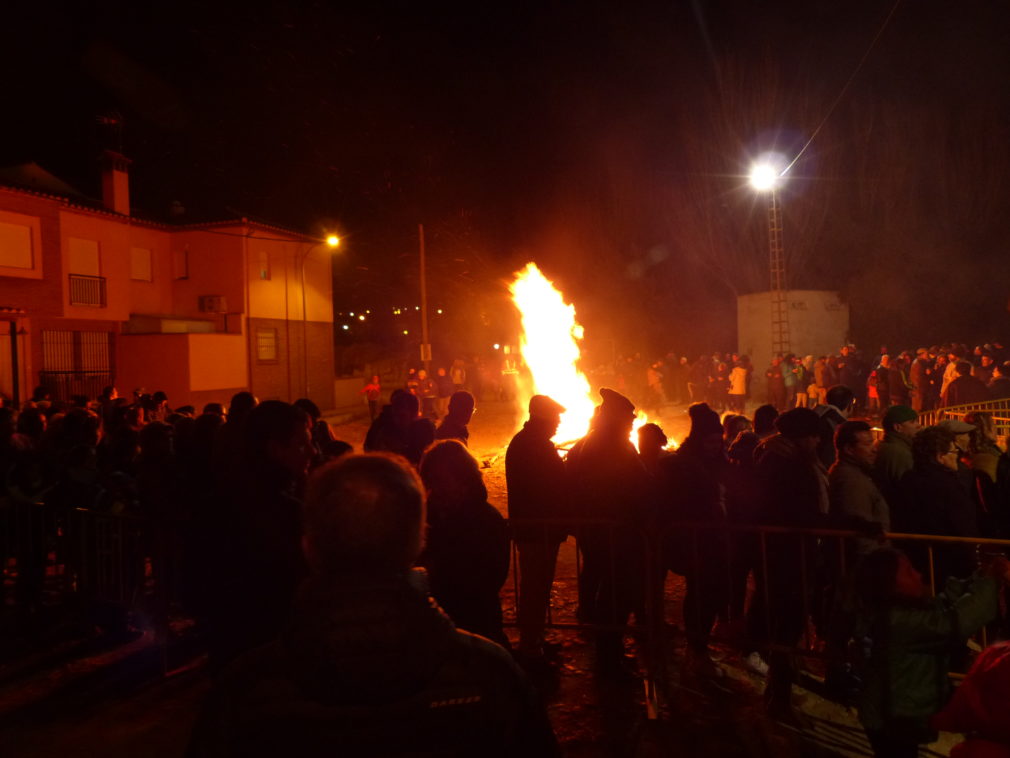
x,y
332,241
764,177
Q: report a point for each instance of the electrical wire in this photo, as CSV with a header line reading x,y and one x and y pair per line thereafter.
x,y
845,87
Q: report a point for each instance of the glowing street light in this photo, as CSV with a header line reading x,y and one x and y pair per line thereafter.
x,y
764,177
332,240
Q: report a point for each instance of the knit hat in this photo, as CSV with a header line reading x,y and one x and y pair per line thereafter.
x,y
704,421
615,404
898,414
799,422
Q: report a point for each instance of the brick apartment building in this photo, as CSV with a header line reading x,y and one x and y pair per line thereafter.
x,y
94,296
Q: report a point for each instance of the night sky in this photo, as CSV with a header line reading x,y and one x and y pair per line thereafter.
x,y
607,141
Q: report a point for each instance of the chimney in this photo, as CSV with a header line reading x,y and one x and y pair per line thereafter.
x,y
116,182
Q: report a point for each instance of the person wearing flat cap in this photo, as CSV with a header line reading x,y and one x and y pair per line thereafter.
x,y
894,452
934,501
609,482
537,489
794,493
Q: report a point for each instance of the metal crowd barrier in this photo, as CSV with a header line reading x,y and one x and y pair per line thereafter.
x,y
824,558
1000,410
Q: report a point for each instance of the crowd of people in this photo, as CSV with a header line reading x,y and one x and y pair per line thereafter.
x,y
925,379
310,568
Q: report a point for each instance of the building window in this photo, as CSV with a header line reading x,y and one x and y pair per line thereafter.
x,y
83,257
16,246
141,269
180,263
266,345
264,265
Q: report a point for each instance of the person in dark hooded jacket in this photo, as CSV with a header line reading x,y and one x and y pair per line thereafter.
x,y
695,492
794,490
467,551
367,664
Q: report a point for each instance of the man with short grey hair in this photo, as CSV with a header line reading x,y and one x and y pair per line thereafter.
x,y
368,664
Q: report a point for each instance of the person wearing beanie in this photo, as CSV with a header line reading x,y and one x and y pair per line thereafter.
x,y
609,482
537,489
694,491
794,493
894,452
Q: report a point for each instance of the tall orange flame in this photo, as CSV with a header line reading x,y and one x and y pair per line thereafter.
x,y
550,348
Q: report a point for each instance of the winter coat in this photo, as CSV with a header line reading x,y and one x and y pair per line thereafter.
x,y
894,460
794,492
738,381
934,502
537,484
855,498
452,429
693,490
981,707
467,557
906,680
608,478
373,667
965,389
999,388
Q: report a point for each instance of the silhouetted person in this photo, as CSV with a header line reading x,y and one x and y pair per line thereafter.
x,y
258,530
454,425
467,551
537,489
965,388
391,432
695,479
794,494
610,483
367,664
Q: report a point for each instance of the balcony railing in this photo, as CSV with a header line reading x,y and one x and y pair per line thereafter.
x,y
87,290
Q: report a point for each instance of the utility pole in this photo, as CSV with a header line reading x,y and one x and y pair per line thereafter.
x,y
425,345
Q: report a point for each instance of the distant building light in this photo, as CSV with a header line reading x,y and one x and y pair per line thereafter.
x,y
361,317
345,327
439,310
405,331
496,346
367,311
352,314
417,307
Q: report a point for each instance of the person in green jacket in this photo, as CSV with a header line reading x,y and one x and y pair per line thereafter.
x,y
894,452
912,636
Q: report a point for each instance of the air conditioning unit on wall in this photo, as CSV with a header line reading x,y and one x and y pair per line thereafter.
x,y
213,304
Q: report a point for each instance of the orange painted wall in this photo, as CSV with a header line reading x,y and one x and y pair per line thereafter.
x,y
215,268
217,361
281,295
155,362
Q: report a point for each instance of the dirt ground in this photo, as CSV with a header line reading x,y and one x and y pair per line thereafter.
x,y
592,718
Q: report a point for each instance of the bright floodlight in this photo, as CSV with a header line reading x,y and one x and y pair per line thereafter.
x,y
333,240
763,177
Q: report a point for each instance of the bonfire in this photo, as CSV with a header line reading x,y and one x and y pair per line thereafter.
x,y
550,348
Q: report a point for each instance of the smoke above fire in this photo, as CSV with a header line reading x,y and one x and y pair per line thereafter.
x,y
549,345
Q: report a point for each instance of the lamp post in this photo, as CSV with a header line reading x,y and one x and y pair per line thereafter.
x,y
765,178
332,241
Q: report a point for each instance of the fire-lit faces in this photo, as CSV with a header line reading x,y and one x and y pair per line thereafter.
x,y
862,449
908,429
907,580
948,459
